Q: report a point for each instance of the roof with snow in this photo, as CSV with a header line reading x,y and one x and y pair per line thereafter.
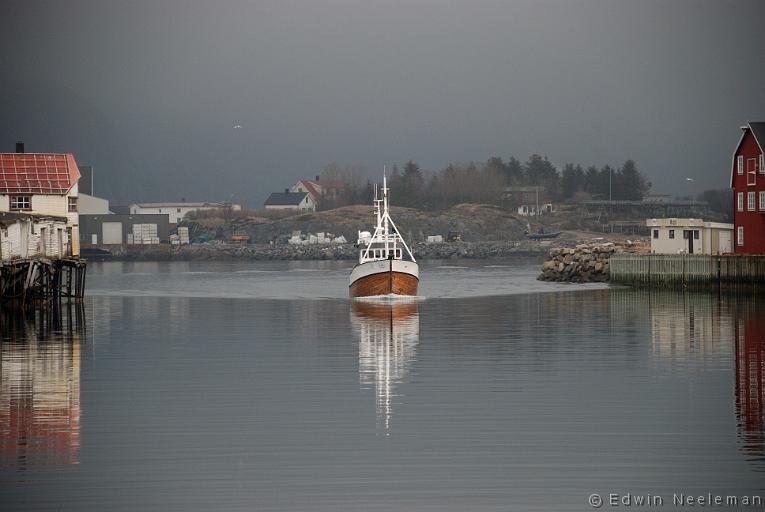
x,y
37,173
285,198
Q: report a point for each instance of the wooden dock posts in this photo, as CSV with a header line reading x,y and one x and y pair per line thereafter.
x,y
688,270
40,281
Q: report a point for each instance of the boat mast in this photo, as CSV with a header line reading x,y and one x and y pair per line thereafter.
x,y
385,215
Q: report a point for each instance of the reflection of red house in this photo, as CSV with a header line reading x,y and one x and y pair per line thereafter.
x,y
750,380
748,183
39,402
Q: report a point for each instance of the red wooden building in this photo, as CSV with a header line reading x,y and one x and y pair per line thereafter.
x,y
748,183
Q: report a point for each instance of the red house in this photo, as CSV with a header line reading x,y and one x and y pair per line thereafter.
x,y
748,183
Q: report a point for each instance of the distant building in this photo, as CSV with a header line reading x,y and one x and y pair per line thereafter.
x,y
92,205
528,200
89,203
690,236
320,191
116,229
24,235
177,211
290,201
748,184
41,184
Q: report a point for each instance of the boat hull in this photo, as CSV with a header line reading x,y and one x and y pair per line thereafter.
x,y
384,277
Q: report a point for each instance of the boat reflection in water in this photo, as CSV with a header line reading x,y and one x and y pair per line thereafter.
x,y
40,387
388,336
750,380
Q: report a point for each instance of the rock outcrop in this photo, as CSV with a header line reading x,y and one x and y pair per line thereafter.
x,y
584,263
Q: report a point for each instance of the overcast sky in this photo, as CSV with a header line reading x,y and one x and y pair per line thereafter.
x,y
149,92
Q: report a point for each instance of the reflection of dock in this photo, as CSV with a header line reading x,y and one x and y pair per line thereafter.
x,y
388,336
40,387
704,328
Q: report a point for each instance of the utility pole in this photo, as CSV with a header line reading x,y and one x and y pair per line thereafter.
x,y
610,174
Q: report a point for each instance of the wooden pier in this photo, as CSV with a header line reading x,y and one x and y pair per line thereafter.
x,y
688,270
41,282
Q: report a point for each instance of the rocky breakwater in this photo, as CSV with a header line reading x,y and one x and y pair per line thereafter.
x,y
585,263
219,250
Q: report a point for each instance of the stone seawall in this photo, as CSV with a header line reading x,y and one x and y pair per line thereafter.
x,y
584,263
221,251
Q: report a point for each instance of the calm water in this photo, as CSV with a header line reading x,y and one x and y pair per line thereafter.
x,y
261,387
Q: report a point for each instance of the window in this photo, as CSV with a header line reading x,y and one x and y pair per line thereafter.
x,y
750,201
740,201
672,233
21,202
740,235
762,201
695,234
686,234
751,171
72,204
762,163
656,233
740,162
178,210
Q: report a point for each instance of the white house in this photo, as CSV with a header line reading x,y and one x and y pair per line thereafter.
x,y
690,236
177,211
327,190
43,184
25,236
290,201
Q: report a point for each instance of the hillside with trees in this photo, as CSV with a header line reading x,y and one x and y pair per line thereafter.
x,y
485,182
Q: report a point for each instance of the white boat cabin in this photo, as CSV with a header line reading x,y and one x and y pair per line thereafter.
x,y
385,243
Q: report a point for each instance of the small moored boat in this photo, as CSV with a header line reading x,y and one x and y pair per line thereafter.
x,y
386,265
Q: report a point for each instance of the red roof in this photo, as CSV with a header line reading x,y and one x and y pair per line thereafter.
x,y
312,187
37,173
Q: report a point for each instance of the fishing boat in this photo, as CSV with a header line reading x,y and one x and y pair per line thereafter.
x,y
386,265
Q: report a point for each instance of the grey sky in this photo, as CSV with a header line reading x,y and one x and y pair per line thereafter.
x,y
149,92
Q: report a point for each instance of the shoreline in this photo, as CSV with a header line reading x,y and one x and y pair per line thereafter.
x,y
222,251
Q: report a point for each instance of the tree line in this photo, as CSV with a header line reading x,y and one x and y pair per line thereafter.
x,y
486,182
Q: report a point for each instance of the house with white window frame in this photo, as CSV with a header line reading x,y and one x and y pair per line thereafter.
x,y
748,184
42,184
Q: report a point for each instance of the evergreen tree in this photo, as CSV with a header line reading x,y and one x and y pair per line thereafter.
x,y
632,184
514,172
411,185
540,171
591,182
572,180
